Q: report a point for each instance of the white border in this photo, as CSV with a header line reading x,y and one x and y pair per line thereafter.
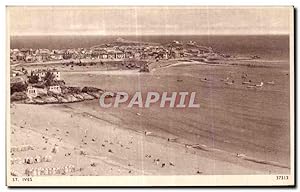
x,y
111,2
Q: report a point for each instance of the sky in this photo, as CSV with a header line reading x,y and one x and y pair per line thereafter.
x,y
149,20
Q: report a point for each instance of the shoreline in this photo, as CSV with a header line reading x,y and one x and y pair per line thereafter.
x,y
109,132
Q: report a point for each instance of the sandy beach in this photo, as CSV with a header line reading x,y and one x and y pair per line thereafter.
x,y
97,147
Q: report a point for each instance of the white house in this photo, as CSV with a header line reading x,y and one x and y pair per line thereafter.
x,y
42,73
29,59
31,92
119,55
55,89
56,75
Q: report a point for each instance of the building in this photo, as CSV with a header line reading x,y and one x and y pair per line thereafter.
x,y
13,58
45,54
56,75
111,55
42,73
26,51
20,56
129,54
31,92
119,55
29,59
55,89
137,55
102,55
165,55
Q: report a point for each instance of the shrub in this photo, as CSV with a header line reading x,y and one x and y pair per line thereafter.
x,y
52,94
18,87
49,78
39,85
74,90
33,79
90,89
17,96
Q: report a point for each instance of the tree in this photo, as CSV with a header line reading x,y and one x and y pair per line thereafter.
x,y
49,78
18,87
33,79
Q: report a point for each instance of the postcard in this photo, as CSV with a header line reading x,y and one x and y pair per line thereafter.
x,y
150,96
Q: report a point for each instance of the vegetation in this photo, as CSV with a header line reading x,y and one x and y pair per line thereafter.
x,y
90,89
39,85
17,96
33,79
49,79
18,87
76,90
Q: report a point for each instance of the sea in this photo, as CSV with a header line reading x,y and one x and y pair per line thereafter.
x,y
265,46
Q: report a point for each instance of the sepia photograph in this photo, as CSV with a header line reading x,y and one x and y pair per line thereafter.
x,y
150,96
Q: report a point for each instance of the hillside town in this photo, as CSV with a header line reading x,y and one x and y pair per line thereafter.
x,y
118,50
44,85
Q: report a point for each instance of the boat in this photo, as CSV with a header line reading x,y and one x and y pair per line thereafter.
x,y
260,85
204,80
227,78
229,83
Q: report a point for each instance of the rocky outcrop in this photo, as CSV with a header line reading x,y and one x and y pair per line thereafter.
x,y
91,90
61,99
79,97
70,98
66,98
69,95
86,96
96,95
49,99
38,101
18,96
